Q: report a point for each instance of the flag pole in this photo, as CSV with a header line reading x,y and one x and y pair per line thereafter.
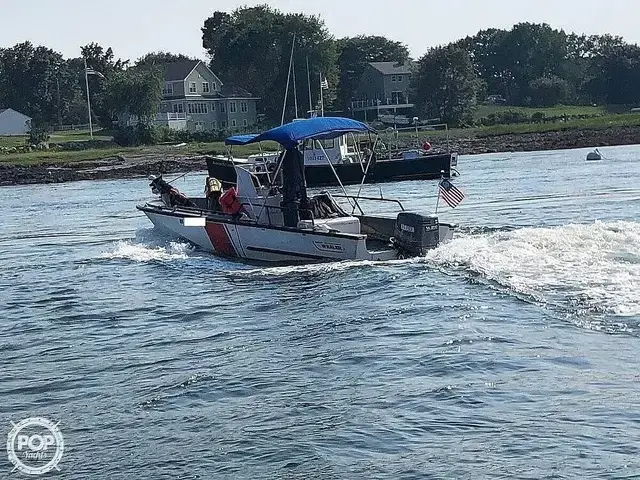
x,y
321,97
438,195
86,81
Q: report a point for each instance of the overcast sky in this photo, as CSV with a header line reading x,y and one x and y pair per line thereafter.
x,y
135,27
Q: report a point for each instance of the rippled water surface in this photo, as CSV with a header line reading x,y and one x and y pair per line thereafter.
x,y
510,352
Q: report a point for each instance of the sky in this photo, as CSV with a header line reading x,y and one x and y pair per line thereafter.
x,y
135,27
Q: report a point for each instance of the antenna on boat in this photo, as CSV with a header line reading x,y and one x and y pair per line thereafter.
x,y
286,90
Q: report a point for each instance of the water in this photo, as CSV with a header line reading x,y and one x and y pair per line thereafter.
x,y
511,352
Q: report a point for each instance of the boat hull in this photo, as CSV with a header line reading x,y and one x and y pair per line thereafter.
x,y
262,243
426,167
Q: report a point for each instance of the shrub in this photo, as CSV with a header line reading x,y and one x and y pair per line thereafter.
x,y
38,134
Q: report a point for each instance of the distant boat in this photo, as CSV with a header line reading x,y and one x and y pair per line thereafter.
x,y
594,155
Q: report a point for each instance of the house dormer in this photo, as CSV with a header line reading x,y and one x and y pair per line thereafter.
x,y
190,78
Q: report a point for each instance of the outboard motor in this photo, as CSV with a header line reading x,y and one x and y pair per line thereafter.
x,y
414,234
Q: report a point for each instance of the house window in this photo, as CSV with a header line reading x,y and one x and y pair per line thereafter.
x,y
233,122
223,109
192,87
224,123
232,107
393,78
244,122
205,87
199,126
198,108
178,108
215,86
167,89
212,106
243,107
214,126
399,78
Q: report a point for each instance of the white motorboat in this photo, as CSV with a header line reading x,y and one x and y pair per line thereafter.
x,y
268,216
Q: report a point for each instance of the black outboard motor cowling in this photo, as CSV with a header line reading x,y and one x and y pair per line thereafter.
x,y
414,234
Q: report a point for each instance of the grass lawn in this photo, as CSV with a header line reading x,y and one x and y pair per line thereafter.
x,y
605,121
59,137
485,110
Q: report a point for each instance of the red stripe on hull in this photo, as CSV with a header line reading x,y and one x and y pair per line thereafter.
x,y
220,239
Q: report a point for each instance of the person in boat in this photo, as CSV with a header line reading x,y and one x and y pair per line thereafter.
x,y
213,191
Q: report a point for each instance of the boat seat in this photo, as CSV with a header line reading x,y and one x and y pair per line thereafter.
x,y
339,224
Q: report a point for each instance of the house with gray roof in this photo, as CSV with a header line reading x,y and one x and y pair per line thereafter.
x,y
383,88
13,122
194,98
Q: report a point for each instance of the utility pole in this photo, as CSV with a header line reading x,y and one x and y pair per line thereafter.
x,y
86,81
58,89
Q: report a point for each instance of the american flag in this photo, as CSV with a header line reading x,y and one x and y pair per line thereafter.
x,y
450,194
324,83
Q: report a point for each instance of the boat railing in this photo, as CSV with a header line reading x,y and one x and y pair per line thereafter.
x,y
204,212
375,199
276,207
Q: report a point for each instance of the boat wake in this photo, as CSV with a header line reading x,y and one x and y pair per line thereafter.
x,y
148,247
592,268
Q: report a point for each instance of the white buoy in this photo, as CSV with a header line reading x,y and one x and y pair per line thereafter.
x,y
594,155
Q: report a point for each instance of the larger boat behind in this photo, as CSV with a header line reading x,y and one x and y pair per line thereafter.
x,y
268,217
343,155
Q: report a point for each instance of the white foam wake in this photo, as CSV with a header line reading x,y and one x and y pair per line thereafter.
x,y
594,267
145,253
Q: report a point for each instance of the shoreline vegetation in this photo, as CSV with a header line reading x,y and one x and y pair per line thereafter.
x,y
113,162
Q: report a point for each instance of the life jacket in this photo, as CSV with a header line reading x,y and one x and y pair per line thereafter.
x,y
230,203
212,185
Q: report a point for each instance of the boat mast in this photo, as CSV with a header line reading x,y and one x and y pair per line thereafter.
x,y
309,85
295,91
286,90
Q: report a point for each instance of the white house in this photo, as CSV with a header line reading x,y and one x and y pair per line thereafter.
x,y
14,123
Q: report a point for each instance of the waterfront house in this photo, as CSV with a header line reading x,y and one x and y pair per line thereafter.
x,y
194,98
383,89
13,122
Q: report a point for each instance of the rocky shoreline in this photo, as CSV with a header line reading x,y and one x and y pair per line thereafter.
x,y
144,165
107,168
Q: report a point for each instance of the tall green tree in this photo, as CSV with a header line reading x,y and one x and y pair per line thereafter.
x,y
614,75
250,48
136,91
28,80
508,61
160,58
353,55
445,85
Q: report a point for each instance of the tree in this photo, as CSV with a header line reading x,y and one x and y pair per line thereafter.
x,y
510,60
136,92
102,61
548,91
251,46
353,55
445,85
28,80
160,58
614,75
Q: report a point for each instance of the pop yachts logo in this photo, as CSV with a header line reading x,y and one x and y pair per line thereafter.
x,y
35,446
